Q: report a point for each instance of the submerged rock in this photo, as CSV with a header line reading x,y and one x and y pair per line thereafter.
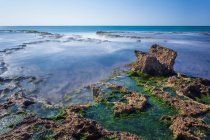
x,y
159,61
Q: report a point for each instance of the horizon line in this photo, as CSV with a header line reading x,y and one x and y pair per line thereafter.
x,y
113,25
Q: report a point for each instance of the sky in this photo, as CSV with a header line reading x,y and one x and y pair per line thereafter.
x,y
105,12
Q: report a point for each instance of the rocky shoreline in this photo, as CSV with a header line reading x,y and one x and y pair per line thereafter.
x,y
189,98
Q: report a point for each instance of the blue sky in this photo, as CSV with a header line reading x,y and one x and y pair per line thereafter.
x,y
104,12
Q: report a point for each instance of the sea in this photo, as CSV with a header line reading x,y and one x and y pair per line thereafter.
x,y
69,58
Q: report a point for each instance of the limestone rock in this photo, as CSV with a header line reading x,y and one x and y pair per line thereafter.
x,y
159,61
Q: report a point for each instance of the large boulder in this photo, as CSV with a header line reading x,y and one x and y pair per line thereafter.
x,y
159,61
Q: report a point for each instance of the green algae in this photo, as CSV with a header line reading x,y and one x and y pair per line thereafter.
x,y
9,121
145,77
59,115
145,124
203,99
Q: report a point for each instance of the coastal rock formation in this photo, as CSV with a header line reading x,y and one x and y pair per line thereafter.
x,y
191,87
182,128
181,92
159,61
72,126
78,127
187,128
26,128
187,107
134,102
19,100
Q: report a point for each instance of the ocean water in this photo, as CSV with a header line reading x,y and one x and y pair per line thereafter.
x,y
70,58
60,29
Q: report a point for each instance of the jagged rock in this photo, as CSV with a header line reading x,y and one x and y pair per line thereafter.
x,y
182,128
135,102
191,87
159,61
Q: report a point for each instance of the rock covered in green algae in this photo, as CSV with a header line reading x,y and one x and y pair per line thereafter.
x,y
191,112
182,128
187,107
135,102
190,87
137,122
159,61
